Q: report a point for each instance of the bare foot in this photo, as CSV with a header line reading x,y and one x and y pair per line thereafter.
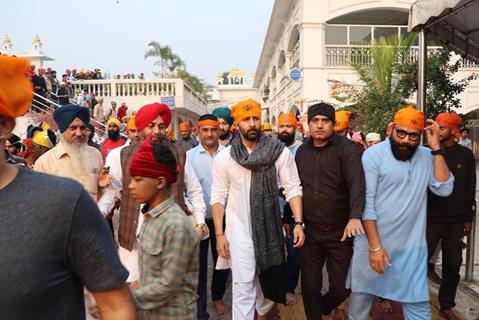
x,y
386,306
290,299
221,307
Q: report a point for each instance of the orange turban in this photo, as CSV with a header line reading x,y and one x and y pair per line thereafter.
x,y
184,126
410,117
342,120
450,120
245,109
131,123
16,91
288,118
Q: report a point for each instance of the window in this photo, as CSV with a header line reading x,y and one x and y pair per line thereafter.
x,y
336,35
404,34
359,35
385,32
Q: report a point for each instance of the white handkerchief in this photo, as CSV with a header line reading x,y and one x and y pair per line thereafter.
x,y
222,263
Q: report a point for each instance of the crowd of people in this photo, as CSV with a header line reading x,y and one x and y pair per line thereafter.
x,y
122,229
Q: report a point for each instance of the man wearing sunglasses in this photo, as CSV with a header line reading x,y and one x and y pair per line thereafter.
x,y
390,261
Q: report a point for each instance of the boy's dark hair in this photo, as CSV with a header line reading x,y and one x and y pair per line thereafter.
x,y
465,129
207,116
164,156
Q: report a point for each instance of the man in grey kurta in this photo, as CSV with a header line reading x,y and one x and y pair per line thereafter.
x,y
391,261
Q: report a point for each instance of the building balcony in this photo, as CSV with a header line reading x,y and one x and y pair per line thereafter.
x,y
138,92
344,55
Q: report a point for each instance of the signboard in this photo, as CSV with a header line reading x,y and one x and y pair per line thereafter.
x,y
295,74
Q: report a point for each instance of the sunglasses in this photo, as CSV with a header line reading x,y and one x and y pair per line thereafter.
x,y
413,136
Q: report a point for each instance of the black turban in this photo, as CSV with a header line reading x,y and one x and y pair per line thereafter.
x,y
65,115
322,109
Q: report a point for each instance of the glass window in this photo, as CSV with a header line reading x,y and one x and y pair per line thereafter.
x,y
385,32
404,34
337,35
359,35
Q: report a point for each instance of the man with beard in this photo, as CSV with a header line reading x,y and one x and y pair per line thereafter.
x,y
390,261
186,141
50,251
450,218
245,175
114,140
332,177
226,121
287,123
267,129
199,166
72,157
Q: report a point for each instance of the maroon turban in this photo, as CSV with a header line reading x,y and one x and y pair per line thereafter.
x,y
144,164
148,113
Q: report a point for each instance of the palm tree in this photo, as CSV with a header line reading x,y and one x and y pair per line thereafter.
x,y
175,63
163,52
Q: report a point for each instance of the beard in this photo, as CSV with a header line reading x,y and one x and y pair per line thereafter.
x,y
286,138
224,134
402,151
79,158
251,134
113,135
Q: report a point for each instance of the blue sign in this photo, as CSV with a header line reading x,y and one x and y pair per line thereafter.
x,y
295,74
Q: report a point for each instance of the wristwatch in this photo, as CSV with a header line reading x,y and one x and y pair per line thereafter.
x,y
299,223
440,151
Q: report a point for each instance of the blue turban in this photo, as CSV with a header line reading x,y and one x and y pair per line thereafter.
x,y
225,114
65,115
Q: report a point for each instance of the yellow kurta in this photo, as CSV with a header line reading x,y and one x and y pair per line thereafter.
x,y
58,162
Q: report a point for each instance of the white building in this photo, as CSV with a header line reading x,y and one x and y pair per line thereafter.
x,y
231,87
35,55
317,37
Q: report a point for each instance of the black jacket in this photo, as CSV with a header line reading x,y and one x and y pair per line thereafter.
x,y
460,206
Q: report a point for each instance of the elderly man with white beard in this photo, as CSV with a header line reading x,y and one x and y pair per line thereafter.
x,y
72,157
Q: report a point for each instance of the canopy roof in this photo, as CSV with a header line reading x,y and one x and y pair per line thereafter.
x,y
455,23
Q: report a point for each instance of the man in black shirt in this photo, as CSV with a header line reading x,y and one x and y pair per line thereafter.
x,y
450,218
333,183
53,239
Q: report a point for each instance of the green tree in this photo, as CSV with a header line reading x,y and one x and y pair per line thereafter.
x,y
442,90
164,53
383,92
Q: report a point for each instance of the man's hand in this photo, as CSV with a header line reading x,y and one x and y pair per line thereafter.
x,y
467,228
222,246
378,259
298,233
201,231
104,178
287,228
432,134
353,228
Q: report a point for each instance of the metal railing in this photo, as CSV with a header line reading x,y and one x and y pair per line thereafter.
x,y
344,55
43,105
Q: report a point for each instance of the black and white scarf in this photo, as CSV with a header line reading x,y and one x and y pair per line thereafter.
x,y
266,224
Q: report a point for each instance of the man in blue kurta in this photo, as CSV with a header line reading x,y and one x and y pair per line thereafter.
x,y
390,261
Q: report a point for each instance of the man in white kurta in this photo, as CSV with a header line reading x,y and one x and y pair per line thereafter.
x,y
231,185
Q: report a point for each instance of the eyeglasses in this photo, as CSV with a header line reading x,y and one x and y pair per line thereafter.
x,y
413,136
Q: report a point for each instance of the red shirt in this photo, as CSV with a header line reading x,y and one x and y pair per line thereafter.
x,y
110,145
121,113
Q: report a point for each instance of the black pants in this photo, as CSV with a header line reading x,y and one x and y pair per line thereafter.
x,y
324,247
220,277
451,235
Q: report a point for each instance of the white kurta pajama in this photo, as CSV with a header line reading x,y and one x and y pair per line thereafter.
x,y
231,185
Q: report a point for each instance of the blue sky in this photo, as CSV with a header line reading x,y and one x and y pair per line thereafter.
x,y
210,35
